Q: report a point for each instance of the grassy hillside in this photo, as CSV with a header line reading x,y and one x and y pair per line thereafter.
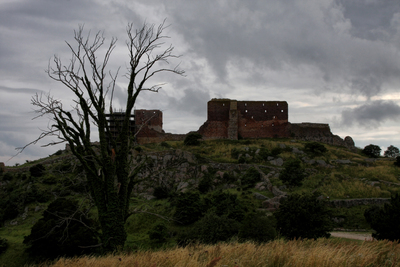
x,y
219,165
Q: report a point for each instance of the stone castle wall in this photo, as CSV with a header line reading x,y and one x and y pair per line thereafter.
x,y
232,119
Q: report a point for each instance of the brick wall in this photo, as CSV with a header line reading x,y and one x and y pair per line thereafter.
x,y
149,122
249,119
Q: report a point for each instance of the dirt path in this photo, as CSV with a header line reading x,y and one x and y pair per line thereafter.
x,y
353,235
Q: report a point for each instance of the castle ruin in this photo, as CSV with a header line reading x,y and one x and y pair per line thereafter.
x,y
232,119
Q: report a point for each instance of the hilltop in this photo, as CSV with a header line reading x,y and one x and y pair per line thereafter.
x,y
249,169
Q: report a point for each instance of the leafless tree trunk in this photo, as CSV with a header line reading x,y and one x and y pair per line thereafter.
x,y
108,166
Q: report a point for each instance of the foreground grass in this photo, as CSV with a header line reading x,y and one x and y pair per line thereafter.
x,y
323,252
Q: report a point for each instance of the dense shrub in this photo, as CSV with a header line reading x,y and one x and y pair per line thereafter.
x,y
264,153
372,151
37,170
188,208
161,192
62,231
225,203
397,162
158,233
385,220
8,176
165,144
315,148
58,153
192,139
205,184
3,245
257,227
293,173
276,151
213,228
303,216
250,178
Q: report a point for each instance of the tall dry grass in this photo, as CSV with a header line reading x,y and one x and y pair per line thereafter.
x,y
323,252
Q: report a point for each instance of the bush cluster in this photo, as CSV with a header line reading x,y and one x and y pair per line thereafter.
x,y
385,220
303,216
37,170
315,148
293,173
63,231
222,216
192,139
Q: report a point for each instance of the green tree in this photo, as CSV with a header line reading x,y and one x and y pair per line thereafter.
x,y
385,220
372,151
391,152
293,173
303,216
64,230
192,139
110,171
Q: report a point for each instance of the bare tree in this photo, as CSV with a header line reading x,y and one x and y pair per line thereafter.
x,y
108,164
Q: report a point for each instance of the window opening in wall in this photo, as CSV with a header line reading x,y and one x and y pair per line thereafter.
x,y
277,104
154,112
265,111
273,117
246,110
245,125
281,110
262,125
263,104
245,104
143,112
272,125
223,104
252,117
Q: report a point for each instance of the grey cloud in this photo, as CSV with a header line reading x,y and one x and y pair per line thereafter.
x,y
371,20
194,101
273,35
371,114
30,91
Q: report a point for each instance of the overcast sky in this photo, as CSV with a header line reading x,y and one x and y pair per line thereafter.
x,y
335,62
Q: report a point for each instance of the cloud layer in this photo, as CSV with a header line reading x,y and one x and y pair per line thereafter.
x,y
334,61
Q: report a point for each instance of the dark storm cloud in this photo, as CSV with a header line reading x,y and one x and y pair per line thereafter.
x,y
371,19
372,114
275,34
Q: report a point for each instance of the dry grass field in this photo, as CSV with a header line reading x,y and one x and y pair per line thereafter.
x,y
322,252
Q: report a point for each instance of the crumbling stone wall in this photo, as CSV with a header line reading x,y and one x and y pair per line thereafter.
x,y
318,132
147,120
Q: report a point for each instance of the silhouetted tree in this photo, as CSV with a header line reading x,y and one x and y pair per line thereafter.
x,y
391,152
372,151
110,170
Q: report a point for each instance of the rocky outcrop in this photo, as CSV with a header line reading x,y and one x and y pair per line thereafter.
x,y
347,203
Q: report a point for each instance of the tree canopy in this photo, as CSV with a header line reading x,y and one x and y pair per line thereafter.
x,y
372,151
303,216
391,152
